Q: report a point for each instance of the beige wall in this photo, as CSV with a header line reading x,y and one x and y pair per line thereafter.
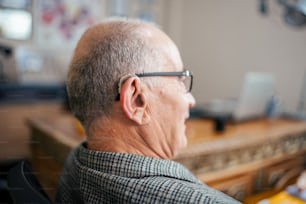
x,y
222,40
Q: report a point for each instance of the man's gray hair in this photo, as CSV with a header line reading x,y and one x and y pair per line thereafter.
x,y
106,52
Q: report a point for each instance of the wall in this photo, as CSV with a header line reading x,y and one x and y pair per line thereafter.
x,y
222,40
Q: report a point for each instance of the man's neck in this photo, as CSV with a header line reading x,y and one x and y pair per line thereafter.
x,y
124,140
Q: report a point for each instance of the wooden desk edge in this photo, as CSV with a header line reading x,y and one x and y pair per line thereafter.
x,y
36,123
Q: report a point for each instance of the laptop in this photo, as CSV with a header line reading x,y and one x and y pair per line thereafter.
x,y
257,91
300,112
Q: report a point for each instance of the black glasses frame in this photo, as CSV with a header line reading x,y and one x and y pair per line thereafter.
x,y
186,73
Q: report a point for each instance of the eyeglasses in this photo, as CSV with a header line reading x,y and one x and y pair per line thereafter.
x,y
185,76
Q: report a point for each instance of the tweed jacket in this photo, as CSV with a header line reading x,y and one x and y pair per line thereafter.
x,y
105,177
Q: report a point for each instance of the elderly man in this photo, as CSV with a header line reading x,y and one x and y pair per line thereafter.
x,y
128,87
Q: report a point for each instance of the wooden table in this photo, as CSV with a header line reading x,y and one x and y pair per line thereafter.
x,y
52,138
256,157
14,133
247,158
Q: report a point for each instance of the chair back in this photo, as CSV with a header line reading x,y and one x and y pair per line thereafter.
x,y
24,186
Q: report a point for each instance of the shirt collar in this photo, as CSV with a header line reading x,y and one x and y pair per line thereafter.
x,y
131,165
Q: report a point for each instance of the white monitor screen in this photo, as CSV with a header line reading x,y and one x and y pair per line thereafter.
x,y
15,24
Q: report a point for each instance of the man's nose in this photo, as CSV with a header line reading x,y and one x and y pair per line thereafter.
x,y
191,100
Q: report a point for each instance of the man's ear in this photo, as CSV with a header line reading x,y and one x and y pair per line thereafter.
x,y
133,101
